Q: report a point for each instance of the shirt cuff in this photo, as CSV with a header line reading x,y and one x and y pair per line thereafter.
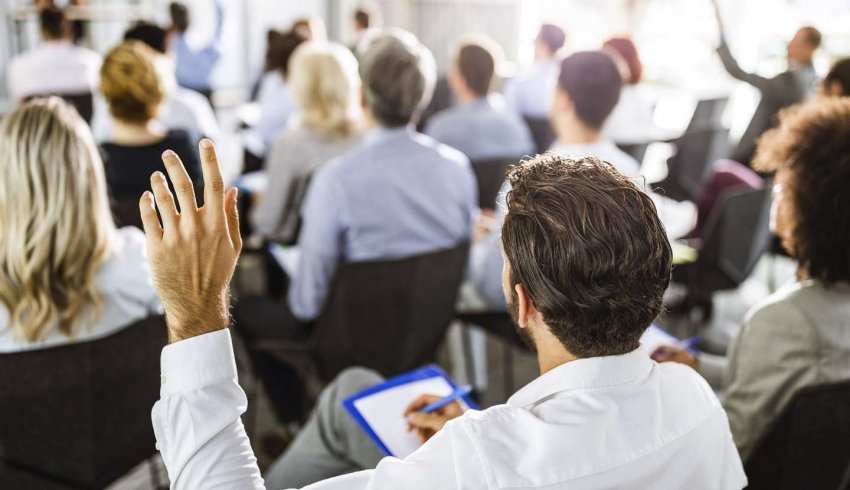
x,y
193,363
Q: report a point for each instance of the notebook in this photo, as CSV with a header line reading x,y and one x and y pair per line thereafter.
x,y
379,410
655,337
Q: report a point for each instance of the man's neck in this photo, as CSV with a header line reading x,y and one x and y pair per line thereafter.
x,y
465,97
550,352
571,131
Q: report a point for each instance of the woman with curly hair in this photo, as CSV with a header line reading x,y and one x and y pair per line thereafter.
x,y
800,335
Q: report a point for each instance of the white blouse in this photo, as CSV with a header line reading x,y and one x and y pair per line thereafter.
x,y
125,284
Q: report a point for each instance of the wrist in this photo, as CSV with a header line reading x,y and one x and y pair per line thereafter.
x,y
185,321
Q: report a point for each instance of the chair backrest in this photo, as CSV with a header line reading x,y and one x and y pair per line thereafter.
x,y
707,114
84,103
388,315
490,175
541,131
635,150
808,446
79,414
690,168
125,211
292,222
736,234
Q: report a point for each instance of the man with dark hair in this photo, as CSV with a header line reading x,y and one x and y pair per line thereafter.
x,y
195,66
57,66
184,108
587,262
587,89
790,87
481,126
366,18
530,94
398,195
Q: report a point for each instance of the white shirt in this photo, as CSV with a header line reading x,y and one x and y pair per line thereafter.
x,y
124,281
185,109
606,422
277,105
604,150
631,120
54,68
530,94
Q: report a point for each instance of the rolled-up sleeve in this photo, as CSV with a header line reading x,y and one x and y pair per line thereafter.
x,y
197,418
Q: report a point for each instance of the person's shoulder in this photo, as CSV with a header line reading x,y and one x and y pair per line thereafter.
x,y
87,55
445,118
441,151
787,308
128,259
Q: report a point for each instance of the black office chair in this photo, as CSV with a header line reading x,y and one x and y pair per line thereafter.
x,y
78,415
541,132
689,168
707,114
389,316
635,150
84,103
735,236
490,175
808,446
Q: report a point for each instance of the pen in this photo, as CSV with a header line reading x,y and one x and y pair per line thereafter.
x,y
458,392
688,344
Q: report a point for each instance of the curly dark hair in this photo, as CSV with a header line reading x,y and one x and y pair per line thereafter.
x,y
586,242
812,144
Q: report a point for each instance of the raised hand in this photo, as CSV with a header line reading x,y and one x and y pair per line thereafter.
x,y
194,252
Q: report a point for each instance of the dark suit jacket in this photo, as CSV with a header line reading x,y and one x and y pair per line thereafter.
x,y
788,88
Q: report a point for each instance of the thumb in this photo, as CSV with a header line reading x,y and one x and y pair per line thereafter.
x,y
430,421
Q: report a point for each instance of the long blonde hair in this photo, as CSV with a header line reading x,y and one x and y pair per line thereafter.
x,y
323,77
55,221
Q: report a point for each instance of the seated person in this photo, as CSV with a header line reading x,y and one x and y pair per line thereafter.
x,y
602,414
530,93
66,273
631,121
836,83
398,195
57,67
132,85
183,108
195,66
587,91
275,99
482,126
800,335
323,78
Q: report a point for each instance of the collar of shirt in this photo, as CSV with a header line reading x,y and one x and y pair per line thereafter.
x,y
593,372
381,133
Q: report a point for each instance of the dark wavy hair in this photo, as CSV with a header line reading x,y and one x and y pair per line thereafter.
x,y
812,143
586,243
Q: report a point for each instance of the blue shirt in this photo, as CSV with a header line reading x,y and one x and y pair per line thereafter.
x,y
400,194
481,129
530,94
193,68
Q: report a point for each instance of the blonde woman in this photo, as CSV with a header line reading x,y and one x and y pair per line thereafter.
x,y
66,273
133,86
323,77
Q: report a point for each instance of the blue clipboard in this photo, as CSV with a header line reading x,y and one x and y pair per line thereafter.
x,y
430,371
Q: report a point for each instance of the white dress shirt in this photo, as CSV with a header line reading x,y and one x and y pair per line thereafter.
x,y
54,68
125,284
606,422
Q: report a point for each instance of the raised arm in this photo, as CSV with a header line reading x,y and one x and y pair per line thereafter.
x,y
192,255
729,62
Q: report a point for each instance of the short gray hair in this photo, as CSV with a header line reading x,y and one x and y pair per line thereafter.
x,y
398,74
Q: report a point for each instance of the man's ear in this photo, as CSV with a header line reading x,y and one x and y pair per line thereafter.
x,y
525,307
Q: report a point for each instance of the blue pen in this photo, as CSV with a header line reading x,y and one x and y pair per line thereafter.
x,y
689,344
459,392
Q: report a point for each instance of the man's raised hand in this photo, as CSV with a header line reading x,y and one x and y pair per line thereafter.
x,y
194,252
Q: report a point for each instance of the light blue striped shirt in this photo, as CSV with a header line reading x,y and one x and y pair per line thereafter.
x,y
481,129
399,194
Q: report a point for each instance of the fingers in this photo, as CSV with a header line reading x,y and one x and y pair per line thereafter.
x,y
150,222
232,217
420,402
164,201
213,181
426,421
182,184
